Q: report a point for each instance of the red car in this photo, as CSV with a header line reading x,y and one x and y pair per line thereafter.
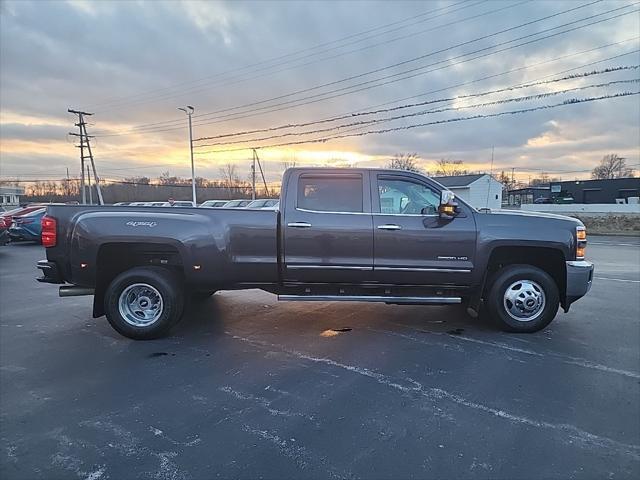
x,y
4,232
7,217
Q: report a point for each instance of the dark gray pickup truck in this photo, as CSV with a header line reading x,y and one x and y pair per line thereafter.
x,y
340,235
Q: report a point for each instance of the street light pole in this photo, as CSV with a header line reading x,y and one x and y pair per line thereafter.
x,y
189,111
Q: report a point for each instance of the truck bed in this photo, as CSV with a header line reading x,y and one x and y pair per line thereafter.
x,y
239,246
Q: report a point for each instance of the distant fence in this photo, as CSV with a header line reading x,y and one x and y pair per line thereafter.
x,y
584,208
599,218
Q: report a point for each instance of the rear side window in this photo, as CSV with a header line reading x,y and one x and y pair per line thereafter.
x,y
330,193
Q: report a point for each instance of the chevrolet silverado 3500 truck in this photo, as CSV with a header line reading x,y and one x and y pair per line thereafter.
x,y
340,235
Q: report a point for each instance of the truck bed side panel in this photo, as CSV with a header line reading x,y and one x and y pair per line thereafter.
x,y
219,247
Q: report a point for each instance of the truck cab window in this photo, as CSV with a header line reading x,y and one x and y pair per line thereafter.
x,y
406,197
330,193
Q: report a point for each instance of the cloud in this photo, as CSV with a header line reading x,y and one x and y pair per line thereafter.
x,y
135,62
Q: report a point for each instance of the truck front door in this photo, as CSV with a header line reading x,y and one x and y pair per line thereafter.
x,y
328,232
412,244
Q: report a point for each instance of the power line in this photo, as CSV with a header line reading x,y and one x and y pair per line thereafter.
x,y
397,64
538,96
295,53
410,71
438,122
412,105
253,113
525,67
420,57
231,81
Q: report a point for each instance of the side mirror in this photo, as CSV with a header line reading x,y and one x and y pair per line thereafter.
x,y
447,208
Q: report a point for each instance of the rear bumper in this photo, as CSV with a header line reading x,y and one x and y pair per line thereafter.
x,y
50,272
579,279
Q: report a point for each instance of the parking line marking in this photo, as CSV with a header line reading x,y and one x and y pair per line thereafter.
x,y
617,279
434,394
580,362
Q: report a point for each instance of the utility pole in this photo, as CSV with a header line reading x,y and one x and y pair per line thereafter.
x,y
89,185
257,159
512,171
253,175
189,111
85,143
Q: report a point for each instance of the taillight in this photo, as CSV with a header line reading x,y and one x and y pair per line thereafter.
x,y
49,235
581,242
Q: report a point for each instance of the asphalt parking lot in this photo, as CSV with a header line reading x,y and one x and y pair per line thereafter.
x,y
247,387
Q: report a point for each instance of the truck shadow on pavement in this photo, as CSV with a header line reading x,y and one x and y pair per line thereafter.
x,y
262,313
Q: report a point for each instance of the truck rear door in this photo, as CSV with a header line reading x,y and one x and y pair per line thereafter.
x,y
328,230
412,244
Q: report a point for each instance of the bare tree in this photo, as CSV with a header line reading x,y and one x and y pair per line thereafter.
x,y
229,175
405,161
612,166
543,179
288,164
142,180
450,168
507,181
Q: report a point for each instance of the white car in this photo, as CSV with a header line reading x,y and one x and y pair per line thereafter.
x,y
262,203
179,203
214,203
237,204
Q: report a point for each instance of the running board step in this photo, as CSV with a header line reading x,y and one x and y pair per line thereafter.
x,y
371,298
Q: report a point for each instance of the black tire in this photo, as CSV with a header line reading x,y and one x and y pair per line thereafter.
x,y
514,277
165,284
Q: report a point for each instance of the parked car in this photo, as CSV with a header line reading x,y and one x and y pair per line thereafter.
x,y
121,204
27,226
4,232
340,235
262,203
8,215
543,200
182,203
213,203
236,204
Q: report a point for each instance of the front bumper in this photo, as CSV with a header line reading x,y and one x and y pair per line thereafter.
x,y
579,279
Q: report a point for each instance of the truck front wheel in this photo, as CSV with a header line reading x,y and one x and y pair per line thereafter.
x,y
522,298
144,302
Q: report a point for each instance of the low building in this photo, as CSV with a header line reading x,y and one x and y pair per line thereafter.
x,y
616,190
480,190
523,196
10,197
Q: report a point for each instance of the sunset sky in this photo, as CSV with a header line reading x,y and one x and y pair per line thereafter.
x,y
260,65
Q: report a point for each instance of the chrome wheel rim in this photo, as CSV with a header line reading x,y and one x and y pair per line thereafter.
x,y
524,300
140,305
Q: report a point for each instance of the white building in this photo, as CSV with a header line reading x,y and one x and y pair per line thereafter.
x,y
480,190
10,196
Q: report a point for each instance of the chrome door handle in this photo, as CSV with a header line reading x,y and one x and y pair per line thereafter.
x,y
299,224
389,226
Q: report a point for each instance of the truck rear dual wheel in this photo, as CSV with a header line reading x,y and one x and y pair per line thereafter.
x,y
143,303
522,298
